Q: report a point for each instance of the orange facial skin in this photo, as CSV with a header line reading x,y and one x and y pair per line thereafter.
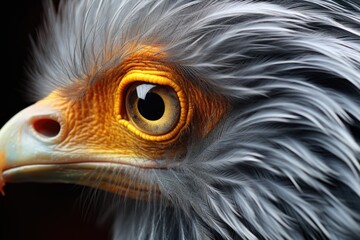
x,y
97,122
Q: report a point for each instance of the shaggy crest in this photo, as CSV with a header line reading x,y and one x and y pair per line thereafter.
x,y
285,162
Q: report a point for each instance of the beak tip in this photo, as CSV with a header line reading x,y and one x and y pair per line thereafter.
x,y
2,184
2,181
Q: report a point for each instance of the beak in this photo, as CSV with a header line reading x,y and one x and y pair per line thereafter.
x,y
31,151
27,146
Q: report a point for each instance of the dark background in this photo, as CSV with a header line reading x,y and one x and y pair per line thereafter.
x,y
36,211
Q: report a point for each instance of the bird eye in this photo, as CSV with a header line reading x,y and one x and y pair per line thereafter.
x,y
153,109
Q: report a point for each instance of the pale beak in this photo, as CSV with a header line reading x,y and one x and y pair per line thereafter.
x,y
27,145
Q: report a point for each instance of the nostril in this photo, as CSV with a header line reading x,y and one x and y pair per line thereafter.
x,y
47,127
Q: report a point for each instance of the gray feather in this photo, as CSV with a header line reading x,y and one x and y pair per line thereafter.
x,y
285,163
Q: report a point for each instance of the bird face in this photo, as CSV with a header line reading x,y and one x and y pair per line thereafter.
x,y
133,116
212,119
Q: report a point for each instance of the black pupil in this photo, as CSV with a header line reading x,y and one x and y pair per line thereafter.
x,y
152,107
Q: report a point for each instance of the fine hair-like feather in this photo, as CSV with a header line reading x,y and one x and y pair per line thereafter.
x,y
285,162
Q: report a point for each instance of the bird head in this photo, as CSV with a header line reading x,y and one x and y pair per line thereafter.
x,y
135,115
219,119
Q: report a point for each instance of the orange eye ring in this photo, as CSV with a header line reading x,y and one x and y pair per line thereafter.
x,y
158,78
